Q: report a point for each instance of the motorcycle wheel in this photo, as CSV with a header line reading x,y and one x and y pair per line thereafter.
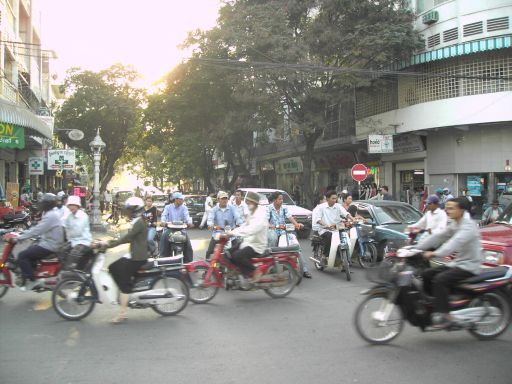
x,y
177,287
285,290
366,310
346,263
3,288
494,328
369,259
198,293
317,252
66,303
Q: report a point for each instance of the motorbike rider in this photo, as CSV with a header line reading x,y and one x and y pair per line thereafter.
x,y
254,232
123,269
315,216
78,233
434,220
277,216
51,232
220,216
61,206
240,205
150,215
330,214
461,240
176,211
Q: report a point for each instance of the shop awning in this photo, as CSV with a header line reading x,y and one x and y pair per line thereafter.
x,y
16,115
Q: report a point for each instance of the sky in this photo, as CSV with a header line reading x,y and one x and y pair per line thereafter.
x,y
94,34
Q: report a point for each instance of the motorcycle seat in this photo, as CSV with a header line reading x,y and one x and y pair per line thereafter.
x,y
172,260
50,259
487,274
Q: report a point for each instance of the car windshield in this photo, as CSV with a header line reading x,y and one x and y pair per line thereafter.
x,y
396,214
195,200
159,198
506,216
265,195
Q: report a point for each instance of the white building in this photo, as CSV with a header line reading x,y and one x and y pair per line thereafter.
x,y
451,110
25,91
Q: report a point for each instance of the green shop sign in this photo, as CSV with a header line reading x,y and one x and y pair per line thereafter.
x,y
12,136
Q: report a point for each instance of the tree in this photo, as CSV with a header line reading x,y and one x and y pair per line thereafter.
x,y
313,53
105,99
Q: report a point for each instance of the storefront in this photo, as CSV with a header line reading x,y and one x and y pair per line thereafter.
x,y
267,174
333,170
289,174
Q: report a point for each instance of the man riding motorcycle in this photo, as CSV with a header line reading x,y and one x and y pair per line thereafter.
x,y
329,215
51,232
176,211
220,216
460,240
277,216
78,233
254,232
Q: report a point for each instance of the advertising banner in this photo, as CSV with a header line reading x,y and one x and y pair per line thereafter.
x,y
12,136
61,159
12,194
380,144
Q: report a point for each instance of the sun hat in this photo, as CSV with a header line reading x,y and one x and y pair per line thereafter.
x,y
74,200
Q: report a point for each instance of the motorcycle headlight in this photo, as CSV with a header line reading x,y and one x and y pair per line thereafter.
x,y
494,257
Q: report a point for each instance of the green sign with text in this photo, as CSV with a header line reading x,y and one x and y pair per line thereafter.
x,y
12,136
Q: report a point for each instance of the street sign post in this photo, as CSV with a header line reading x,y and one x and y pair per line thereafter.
x,y
359,172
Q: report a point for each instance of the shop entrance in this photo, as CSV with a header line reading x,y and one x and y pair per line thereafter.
x,y
412,183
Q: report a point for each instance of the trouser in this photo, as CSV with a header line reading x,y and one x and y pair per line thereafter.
x,y
123,270
30,255
273,241
151,239
188,252
438,282
242,259
326,239
211,248
204,220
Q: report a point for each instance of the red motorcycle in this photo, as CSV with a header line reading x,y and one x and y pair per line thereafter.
x,y
45,270
279,266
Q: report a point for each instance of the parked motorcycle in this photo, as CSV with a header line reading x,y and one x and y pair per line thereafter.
x,y
279,266
363,245
46,270
480,304
159,284
339,255
20,220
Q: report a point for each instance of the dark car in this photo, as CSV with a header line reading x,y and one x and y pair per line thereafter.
x,y
390,219
195,205
497,239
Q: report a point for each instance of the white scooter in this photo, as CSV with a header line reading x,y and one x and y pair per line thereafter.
x,y
340,251
160,284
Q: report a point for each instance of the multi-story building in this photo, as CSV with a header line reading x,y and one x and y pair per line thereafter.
x,y
450,106
26,125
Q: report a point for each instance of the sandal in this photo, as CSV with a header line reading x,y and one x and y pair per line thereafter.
x,y
119,319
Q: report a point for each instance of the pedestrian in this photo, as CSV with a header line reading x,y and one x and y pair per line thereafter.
x,y
384,192
240,205
208,205
108,200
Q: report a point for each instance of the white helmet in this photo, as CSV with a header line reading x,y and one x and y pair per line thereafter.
x,y
134,205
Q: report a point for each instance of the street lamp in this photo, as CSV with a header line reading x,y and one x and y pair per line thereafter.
x,y
97,146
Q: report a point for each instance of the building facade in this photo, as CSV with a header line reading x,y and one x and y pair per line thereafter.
x,y
26,125
450,109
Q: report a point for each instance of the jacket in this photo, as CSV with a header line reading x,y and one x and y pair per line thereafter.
x,y
254,231
50,229
77,229
461,240
137,236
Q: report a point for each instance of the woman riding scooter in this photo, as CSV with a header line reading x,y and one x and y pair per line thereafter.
x,y
124,269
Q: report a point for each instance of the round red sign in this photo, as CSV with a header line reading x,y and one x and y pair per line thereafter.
x,y
359,172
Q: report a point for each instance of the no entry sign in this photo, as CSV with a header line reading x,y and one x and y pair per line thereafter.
x,y
359,172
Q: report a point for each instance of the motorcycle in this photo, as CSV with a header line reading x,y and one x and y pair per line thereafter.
x,y
363,245
177,237
20,220
290,239
479,304
46,270
159,284
339,254
279,266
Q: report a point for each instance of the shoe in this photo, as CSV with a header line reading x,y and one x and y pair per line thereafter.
x,y
307,275
30,285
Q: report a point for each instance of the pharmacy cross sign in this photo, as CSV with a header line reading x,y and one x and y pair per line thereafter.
x,y
61,161
35,165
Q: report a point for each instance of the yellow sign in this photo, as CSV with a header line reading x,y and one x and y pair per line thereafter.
x,y
12,194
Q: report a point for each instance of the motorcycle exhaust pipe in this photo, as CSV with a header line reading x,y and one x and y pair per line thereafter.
x,y
315,260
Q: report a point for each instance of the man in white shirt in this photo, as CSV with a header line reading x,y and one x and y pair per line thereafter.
x,y
208,205
434,220
255,237
316,212
240,205
78,233
330,214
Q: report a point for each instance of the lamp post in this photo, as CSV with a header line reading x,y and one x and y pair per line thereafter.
x,y
97,146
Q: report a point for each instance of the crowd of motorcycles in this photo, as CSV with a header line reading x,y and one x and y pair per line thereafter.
x,y
480,304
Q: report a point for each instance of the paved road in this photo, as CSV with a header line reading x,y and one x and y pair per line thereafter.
x,y
241,337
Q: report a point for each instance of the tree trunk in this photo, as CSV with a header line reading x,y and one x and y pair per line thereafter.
x,y
307,163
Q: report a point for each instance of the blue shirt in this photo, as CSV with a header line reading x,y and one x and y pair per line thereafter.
x,y
172,213
277,217
224,216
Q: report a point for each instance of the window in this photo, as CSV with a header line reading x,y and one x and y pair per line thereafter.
x,y
450,34
433,40
498,24
473,28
